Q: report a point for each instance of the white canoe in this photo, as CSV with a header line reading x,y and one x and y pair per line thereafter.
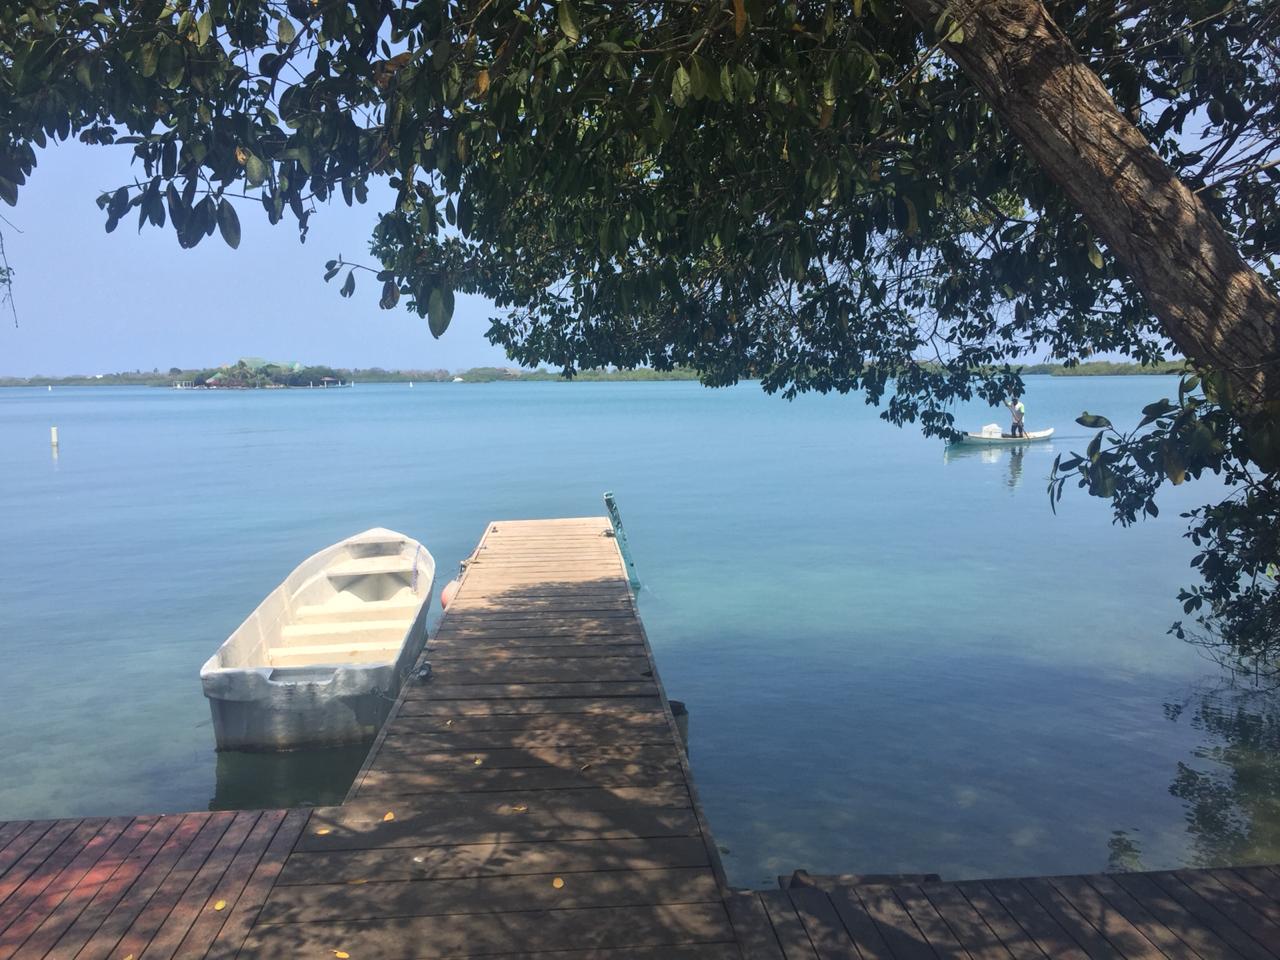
x,y
1028,437
322,659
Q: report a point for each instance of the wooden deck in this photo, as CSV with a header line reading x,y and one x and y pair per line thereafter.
x,y
1225,914
530,798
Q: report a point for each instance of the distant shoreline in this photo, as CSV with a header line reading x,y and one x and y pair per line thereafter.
x,y
503,375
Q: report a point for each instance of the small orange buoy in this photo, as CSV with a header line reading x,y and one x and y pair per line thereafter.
x,y
448,593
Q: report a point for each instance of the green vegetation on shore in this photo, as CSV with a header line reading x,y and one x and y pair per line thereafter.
x,y
235,377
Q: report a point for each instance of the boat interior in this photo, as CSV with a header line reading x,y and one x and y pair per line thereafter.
x,y
352,603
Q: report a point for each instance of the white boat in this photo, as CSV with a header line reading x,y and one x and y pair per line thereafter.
x,y
322,659
990,436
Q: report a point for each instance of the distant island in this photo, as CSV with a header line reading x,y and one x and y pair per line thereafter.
x,y
255,373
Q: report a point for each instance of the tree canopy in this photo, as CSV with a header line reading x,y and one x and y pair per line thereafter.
x,y
853,196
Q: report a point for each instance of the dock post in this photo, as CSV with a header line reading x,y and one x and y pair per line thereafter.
x,y
53,436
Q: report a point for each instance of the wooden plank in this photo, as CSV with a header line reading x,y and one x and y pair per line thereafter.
x,y
1183,912
560,632
1180,940
543,822
18,845
1038,922
974,934
9,829
22,894
425,938
511,608
542,585
646,705
1264,881
391,787
482,780
1070,919
700,951
167,917
437,733
892,921
1239,911
528,691
499,857
46,888
541,595
534,618
751,927
859,924
35,939
403,741
826,930
930,923
370,812
198,916
525,670
35,855
503,652
231,936
403,754
169,871
494,894
787,927
202,913
148,862
1015,939
1109,922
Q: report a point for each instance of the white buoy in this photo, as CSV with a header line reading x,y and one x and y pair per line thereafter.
x,y
53,436
50,386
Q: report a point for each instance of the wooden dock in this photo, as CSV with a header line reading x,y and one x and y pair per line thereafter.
x,y
530,798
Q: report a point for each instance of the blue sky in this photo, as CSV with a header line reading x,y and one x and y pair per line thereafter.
x,y
89,302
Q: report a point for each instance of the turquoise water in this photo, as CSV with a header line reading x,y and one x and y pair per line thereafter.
x,y
894,658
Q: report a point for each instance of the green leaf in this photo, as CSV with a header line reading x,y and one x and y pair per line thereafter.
x,y
173,66
204,28
8,192
84,74
439,310
681,86
1092,421
286,31
255,171
726,83
148,59
229,224
1095,256
390,295
1174,466
349,284
569,27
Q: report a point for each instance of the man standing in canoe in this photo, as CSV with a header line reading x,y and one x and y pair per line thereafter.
x,y
1019,413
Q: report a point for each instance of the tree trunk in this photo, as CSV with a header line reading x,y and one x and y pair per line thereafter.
x,y
1216,308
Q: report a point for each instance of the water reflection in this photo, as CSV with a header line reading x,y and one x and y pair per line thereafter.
x,y
297,778
1231,787
1010,455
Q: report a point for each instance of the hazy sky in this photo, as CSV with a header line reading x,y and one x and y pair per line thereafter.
x,y
91,302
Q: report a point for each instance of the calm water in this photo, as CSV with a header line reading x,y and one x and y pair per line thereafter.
x,y
894,659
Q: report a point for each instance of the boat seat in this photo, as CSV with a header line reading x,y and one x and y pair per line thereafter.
x,y
345,608
369,566
343,631
308,655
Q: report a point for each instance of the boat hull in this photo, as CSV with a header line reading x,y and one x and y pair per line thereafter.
x,y
1030,437
287,680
